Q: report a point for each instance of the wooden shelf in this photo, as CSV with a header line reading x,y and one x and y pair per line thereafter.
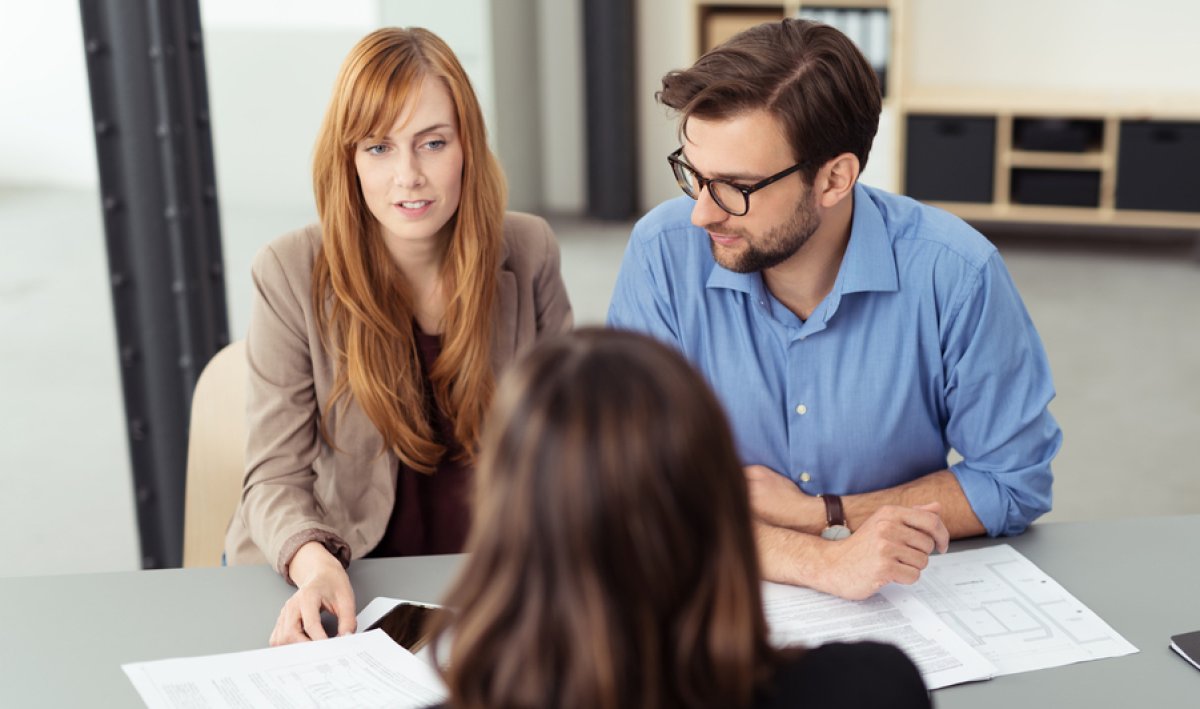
x,y
1032,104
1033,214
1093,160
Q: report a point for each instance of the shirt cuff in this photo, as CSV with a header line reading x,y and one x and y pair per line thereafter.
x,y
332,542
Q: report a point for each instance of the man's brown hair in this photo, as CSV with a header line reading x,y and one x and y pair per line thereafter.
x,y
810,76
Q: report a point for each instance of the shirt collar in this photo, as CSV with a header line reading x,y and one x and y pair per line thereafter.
x,y
721,277
869,263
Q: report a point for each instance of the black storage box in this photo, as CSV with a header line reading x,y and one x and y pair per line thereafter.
x,y
1060,188
1158,166
950,158
1057,134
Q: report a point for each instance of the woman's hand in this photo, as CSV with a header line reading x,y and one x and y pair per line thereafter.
x,y
321,584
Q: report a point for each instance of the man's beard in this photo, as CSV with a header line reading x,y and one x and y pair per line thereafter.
x,y
774,247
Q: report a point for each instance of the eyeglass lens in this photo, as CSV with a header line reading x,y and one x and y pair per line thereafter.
x,y
727,197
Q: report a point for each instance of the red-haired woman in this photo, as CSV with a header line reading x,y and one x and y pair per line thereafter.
x,y
375,335
612,562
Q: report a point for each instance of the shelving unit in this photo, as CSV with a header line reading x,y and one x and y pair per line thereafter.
x,y
992,154
1101,183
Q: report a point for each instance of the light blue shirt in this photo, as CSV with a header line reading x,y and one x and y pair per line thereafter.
x,y
922,345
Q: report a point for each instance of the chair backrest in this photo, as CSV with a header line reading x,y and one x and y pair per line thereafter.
x,y
216,455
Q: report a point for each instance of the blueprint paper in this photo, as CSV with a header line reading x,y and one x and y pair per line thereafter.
x,y
1013,613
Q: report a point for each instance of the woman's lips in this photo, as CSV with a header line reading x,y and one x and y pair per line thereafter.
x,y
413,208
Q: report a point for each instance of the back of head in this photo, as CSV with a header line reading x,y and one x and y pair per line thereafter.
x,y
612,558
810,76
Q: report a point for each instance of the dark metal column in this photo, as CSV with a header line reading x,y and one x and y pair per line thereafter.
x,y
611,108
158,194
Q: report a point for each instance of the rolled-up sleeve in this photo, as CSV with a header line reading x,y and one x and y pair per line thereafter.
x,y
998,389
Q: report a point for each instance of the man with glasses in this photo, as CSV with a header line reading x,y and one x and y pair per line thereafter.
x,y
855,337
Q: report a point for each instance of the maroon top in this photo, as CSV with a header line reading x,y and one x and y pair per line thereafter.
x,y
432,512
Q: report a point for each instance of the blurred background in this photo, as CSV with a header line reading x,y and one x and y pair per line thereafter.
x,y
1068,131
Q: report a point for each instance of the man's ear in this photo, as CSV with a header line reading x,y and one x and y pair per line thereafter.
x,y
836,179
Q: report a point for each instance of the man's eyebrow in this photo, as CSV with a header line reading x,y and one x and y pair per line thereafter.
x,y
728,176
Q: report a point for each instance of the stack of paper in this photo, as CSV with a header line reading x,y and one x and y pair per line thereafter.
x,y
364,671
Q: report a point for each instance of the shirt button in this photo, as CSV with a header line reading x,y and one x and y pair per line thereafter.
x,y
802,409
803,338
805,477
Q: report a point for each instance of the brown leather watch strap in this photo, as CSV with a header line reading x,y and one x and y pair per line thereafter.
x,y
834,514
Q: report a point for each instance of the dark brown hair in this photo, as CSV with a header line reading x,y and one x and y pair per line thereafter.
x,y
612,561
810,76
363,301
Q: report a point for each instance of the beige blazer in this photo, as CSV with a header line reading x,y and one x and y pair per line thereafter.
x,y
295,485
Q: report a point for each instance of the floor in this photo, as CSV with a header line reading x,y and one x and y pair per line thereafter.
x,y
1120,319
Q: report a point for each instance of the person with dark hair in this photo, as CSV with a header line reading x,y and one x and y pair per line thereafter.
x,y
376,334
855,337
611,558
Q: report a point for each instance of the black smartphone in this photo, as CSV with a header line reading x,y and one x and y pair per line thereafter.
x,y
1188,646
409,624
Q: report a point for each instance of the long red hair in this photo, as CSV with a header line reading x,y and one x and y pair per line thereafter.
x,y
364,303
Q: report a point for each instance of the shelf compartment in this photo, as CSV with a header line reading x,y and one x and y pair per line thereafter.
x,y
950,158
1157,168
1057,135
1055,188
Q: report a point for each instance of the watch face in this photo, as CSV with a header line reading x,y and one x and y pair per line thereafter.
x,y
835,532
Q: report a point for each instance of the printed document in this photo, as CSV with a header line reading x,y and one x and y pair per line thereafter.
x,y
806,617
362,671
1013,613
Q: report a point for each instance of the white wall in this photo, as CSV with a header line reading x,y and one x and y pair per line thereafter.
x,y
665,41
1072,45
560,40
45,110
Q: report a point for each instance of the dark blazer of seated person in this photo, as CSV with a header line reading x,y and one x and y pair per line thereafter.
x,y
612,559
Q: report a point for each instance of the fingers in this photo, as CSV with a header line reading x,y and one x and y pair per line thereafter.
x,y
344,610
288,628
940,534
311,617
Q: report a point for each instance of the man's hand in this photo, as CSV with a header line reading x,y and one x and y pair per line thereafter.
x,y
778,501
321,584
892,546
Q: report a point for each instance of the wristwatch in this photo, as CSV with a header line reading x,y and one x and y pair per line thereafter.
x,y
836,526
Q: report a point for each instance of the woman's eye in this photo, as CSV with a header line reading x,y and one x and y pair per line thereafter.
x,y
437,144
377,149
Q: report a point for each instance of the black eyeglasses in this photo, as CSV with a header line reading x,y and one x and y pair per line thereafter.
x,y
727,195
